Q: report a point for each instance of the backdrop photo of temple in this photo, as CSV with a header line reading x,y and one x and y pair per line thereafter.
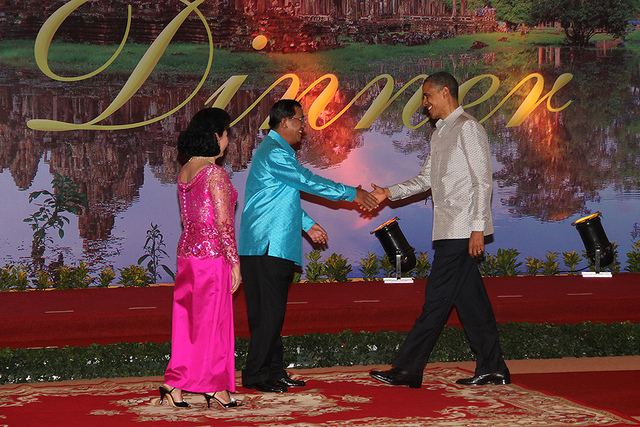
x,y
291,26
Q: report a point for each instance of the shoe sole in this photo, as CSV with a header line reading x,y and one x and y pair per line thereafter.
x,y
410,385
264,391
486,383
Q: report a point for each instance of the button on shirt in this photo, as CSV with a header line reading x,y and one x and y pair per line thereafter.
x,y
272,218
458,171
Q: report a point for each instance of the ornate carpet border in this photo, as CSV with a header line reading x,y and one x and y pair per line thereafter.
x,y
333,398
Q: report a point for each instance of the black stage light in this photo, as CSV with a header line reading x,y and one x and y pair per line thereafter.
x,y
397,248
599,249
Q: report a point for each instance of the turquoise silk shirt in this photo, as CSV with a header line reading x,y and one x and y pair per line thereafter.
x,y
272,219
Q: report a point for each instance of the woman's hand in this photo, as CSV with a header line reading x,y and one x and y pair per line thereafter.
x,y
236,278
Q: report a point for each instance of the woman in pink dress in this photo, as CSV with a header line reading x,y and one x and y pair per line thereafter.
x,y
202,338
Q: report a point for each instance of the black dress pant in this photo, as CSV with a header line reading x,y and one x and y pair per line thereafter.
x,y
266,283
454,279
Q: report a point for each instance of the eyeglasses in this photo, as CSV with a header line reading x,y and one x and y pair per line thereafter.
x,y
302,119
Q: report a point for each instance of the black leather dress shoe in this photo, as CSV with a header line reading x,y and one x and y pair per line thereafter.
x,y
288,382
397,376
498,378
269,386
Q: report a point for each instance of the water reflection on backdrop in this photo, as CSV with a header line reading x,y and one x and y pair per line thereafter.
x,y
549,171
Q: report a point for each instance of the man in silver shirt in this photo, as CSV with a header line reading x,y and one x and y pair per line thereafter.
x,y
458,172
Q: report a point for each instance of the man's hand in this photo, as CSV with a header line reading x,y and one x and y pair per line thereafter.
x,y
236,277
365,199
317,234
380,193
476,244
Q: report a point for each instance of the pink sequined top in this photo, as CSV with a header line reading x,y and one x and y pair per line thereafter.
x,y
207,207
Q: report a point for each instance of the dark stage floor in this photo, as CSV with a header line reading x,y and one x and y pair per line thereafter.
x,y
103,316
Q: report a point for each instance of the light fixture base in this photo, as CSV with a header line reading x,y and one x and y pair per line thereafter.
x,y
594,274
396,280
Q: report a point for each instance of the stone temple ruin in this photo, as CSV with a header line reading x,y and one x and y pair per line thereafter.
x,y
290,26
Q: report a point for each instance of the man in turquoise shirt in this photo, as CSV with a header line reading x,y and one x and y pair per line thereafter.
x,y
270,242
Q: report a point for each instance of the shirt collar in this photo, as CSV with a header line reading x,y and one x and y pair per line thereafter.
x,y
281,141
450,118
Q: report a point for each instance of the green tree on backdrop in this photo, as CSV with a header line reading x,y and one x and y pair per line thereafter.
x,y
581,19
513,12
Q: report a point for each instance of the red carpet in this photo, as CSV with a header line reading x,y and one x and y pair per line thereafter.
x,y
104,316
333,397
619,390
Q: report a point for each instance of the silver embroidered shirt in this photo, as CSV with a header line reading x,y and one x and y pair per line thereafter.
x,y
458,171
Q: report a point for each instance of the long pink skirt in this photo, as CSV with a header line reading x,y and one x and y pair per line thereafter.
x,y
202,341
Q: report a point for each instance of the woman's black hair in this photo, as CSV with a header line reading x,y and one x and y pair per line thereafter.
x,y
199,138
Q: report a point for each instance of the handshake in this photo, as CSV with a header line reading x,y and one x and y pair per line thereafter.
x,y
367,201
370,200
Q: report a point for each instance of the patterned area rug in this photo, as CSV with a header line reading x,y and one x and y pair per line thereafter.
x,y
333,397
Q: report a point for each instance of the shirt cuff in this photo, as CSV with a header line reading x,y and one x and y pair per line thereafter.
x,y
351,193
307,223
395,192
477,225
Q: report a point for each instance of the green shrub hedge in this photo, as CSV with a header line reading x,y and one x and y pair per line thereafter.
x,y
334,268
519,341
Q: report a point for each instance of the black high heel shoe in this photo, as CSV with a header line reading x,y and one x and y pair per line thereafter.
x,y
164,392
233,404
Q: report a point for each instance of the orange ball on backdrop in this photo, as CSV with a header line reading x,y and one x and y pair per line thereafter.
x,y
259,42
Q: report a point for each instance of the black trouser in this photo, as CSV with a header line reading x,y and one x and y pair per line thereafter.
x,y
266,283
455,279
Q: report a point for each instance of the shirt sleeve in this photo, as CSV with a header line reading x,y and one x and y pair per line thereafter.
x,y
224,210
418,184
475,144
285,168
307,221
